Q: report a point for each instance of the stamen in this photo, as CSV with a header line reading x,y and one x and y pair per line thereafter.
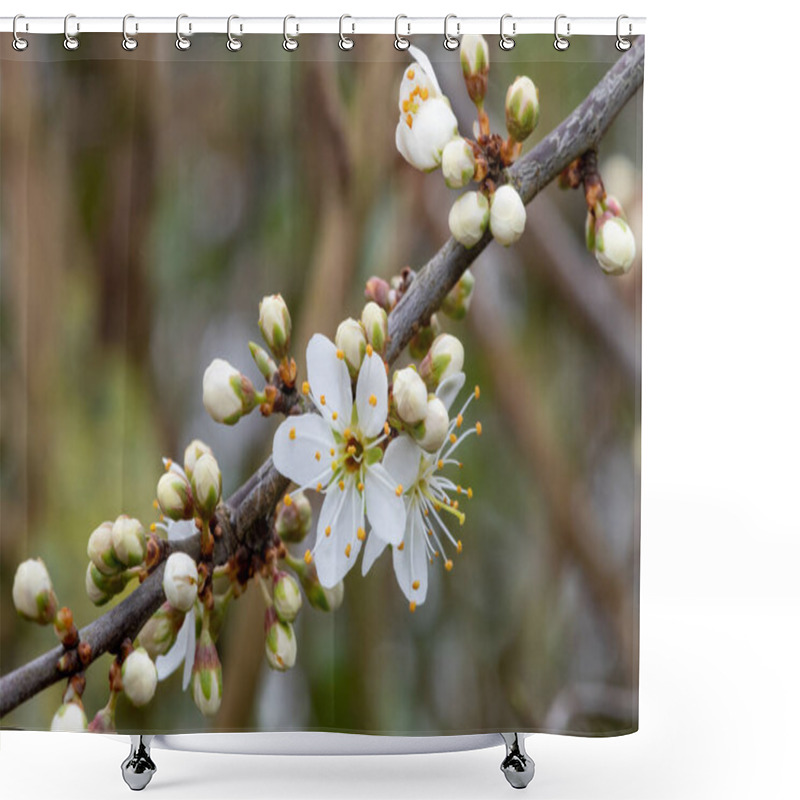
x,y
362,534
351,449
469,493
412,606
369,346
478,428
386,428
347,433
453,438
477,392
373,401
292,434
168,464
287,500
415,585
341,486
153,527
318,455
340,355
307,557
335,416
424,94
409,120
440,463
155,504
459,546
347,550
405,105
401,545
448,565
333,452
459,420
319,487
410,74
399,490
305,388
360,486
328,531
458,489
322,399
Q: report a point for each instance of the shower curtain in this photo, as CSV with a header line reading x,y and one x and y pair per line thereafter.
x,y
320,386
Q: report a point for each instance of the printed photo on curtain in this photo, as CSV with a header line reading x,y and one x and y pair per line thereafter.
x,y
320,385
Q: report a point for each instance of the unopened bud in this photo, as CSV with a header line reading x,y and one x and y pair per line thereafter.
x,y
614,242
129,541
33,593
293,522
101,550
275,324
351,344
381,292
227,394
423,339
468,218
376,326
456,304
475,66
409,395
180,581
319,597
522,108
266,366
139,677
161,630
507,217
458,163
101,588
193,451
281,645
287,597
431,433
174,495
103,721
207,676
206,485
445,358
70,717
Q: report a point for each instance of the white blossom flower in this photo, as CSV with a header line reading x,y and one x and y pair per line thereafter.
x,y
337,452
427,122
428,497
139,677
507,215
182,652
180,581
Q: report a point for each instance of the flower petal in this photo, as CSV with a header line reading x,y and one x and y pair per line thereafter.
x,y
180,530
372,402
329,379
411,563
173,658
372,550
343,513
386,509
402,460
188,663
422,59
450,387
301,449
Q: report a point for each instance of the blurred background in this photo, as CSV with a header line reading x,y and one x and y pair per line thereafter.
x,y
149,200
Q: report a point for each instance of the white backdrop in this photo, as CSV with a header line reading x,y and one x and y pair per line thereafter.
x,y
720,602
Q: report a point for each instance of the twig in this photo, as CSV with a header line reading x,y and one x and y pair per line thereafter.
x,y
582,129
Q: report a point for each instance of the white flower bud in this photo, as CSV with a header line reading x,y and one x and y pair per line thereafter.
x,y
615,245
351,344
101,588
475,66
410,395
139,677
458,163
101,550
180,581
227,394
70,717
207,676
432,431
33,593
468,218
161,630
376,326
293,522
275,324
266,366
287,597
281,645
456,304
206,485
174,495
445,358
507,215
193,451
129,541
522,108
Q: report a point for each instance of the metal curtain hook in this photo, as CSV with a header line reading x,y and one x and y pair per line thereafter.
x,y
400,42
234,42
507,42
623,44
560,42
451,42
290,43
18,43
181,41
345,42
128,42
70,42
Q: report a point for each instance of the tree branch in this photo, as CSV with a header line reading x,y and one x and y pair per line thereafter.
x,y
256,499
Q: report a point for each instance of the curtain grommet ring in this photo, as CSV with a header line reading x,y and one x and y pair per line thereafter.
x,y
71,42
622,44
18,43
129,42
560,42
234,43
290,43
507,42
401,42
345,42
182,42
451,42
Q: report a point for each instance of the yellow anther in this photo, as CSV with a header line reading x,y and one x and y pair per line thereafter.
x,y
340,355
410,74
458,489
305,388
415,585
287,500
292,434
477,392
459,420
360,486
369,350
307,557
328,531
424,94
412,606
155,503
440,463
426,512
335,416
347,433
459,546
478,428
373,401
351,449
333,452
319,487
453,438
386,428
455,505
401,545
448,565
322,399
469,493
318,455
153,527
399,490
406,104
168,464
409,121
362,534
347,550
430,531
436,554
341,486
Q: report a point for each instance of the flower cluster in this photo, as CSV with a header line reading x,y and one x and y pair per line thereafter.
x,y
427,137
